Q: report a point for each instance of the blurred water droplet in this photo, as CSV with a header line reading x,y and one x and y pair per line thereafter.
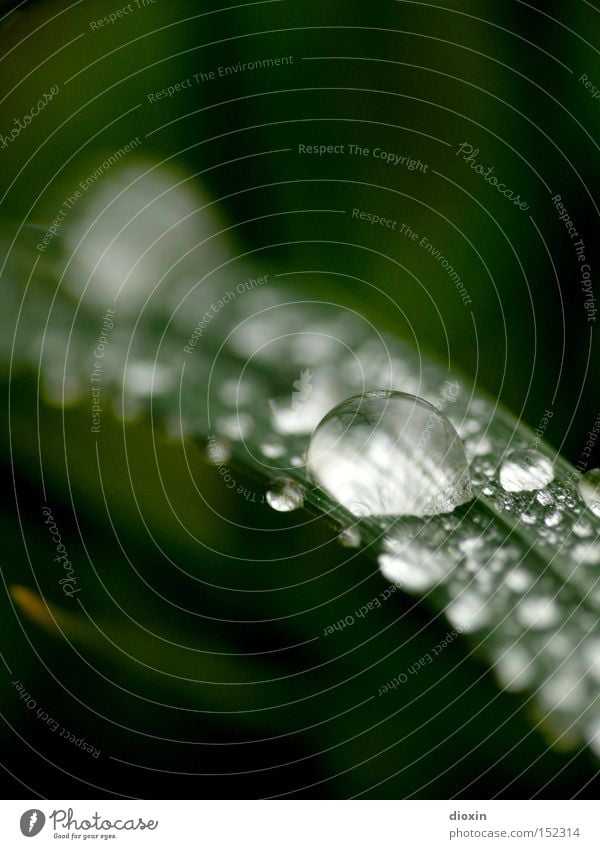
x,y
350,538
588,553
217,451
581,528
518,580
589,489
390,453
411,565
272,450
538,612
468,612
515,668
553,519
236,426
525,470
284,496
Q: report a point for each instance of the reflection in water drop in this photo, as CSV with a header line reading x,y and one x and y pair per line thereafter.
x,y
525,470
390,453
284,496
589,489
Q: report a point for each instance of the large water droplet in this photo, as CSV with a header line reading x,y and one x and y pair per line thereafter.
x,y
522,471
589,489
390,453
285,495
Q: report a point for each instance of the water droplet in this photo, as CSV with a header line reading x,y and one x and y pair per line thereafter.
x,y
588,553
411,565
581,528
518,580
350,538
272,450
468,612
525,470
589,489
144,377
217,451
553,519
538,612
544,498
236,427
389,453
515,668
284,496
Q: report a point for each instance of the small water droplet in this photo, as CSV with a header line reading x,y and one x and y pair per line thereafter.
x,y
285,495
390,453
522,471
217,451
272,450
236,427
514,668
588,553
518,580
350,537
411,565
544,498
589,489
468,612
581,528
553,519
538,612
